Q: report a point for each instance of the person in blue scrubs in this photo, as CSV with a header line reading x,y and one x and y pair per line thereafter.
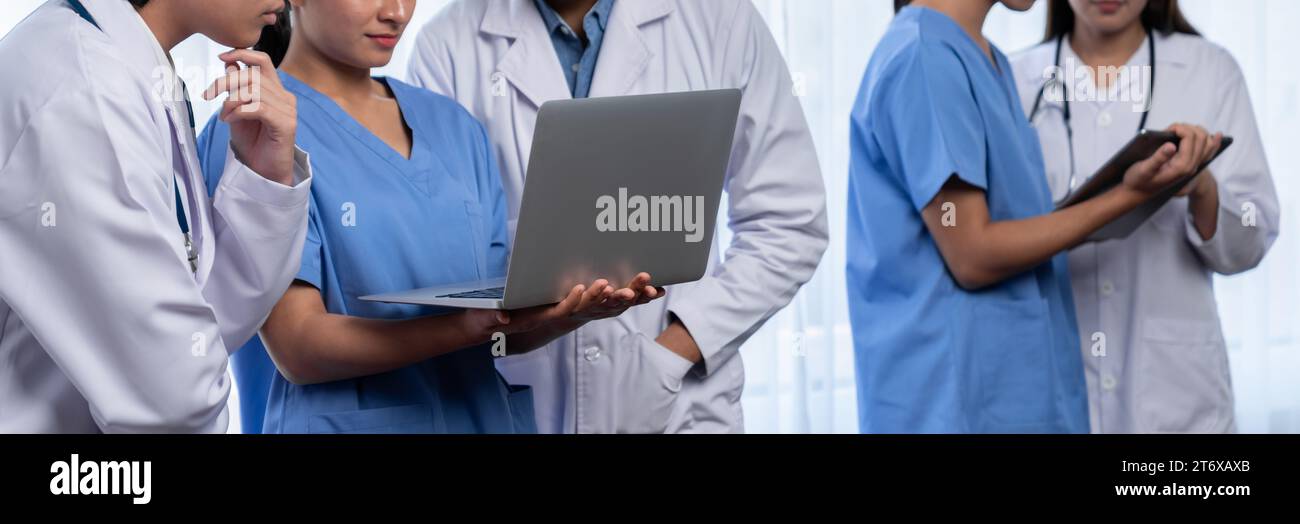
x,y
959,299
407,195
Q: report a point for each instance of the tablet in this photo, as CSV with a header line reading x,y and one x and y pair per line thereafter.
x,y
1112,173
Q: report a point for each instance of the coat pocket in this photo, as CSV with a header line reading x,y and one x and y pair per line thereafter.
x,y
399,419
648,380
1182,383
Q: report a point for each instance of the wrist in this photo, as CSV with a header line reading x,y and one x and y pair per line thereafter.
x,y
677,339
1204,187
475,329
1128,196
280,174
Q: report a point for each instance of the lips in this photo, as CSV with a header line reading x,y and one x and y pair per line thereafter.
x,y
1109,7
389,41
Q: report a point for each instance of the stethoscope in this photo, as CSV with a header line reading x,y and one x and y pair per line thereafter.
x,y
1065,103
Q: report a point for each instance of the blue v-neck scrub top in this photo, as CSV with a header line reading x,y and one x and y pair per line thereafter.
x,y
931,357
379,222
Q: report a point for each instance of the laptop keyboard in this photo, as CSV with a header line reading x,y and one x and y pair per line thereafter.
x,y
496,292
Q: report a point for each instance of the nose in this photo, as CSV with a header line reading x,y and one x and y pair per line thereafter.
x,y
397,12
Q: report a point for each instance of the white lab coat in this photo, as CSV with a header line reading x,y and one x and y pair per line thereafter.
x,y
103,327
1151,296
496,59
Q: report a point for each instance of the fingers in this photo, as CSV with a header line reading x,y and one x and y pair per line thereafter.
x,y
233,82
632,292
254,86
593,295
1216,144
650,294
238,77
640,281
601,300
1148,168
1191,149
570,303
254,59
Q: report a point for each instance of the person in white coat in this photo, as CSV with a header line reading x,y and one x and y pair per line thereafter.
x,y
673,365
122,286
1153,350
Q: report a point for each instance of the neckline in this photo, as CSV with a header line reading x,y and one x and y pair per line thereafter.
x,y
360,131
997,62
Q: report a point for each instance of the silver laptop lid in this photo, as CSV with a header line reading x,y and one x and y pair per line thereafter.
x,y
637,177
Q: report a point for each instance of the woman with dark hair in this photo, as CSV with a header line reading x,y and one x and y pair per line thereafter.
x,y
407,196
1154,354
958,291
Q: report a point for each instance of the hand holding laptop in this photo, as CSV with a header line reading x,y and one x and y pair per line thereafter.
x,y
533,327
583,304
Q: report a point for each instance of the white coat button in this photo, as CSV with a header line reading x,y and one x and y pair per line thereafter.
x,y
1107,382
592,354
1104,119
1107,288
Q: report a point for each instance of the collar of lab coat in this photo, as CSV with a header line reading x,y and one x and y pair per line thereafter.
x,y
142,52
132,36
532,67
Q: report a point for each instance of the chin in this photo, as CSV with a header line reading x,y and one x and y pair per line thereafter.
x,y
242,40
378,60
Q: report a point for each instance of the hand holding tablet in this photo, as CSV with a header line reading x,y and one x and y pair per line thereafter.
x,y
1163,184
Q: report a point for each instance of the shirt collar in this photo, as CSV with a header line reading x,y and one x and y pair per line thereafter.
x,y
553,21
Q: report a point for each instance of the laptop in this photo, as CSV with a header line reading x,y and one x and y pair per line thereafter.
x,y
615,186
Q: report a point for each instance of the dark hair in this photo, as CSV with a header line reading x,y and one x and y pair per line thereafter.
x,y
898,4
275,38
1160,15
139,3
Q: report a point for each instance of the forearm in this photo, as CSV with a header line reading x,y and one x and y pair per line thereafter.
x,y
259,229
1203,205
323,347
678,339
1000,250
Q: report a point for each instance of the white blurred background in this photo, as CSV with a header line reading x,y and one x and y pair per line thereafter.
x,y
799,367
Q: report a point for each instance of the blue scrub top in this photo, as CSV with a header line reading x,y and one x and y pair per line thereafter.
x,y
931,357
378,223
